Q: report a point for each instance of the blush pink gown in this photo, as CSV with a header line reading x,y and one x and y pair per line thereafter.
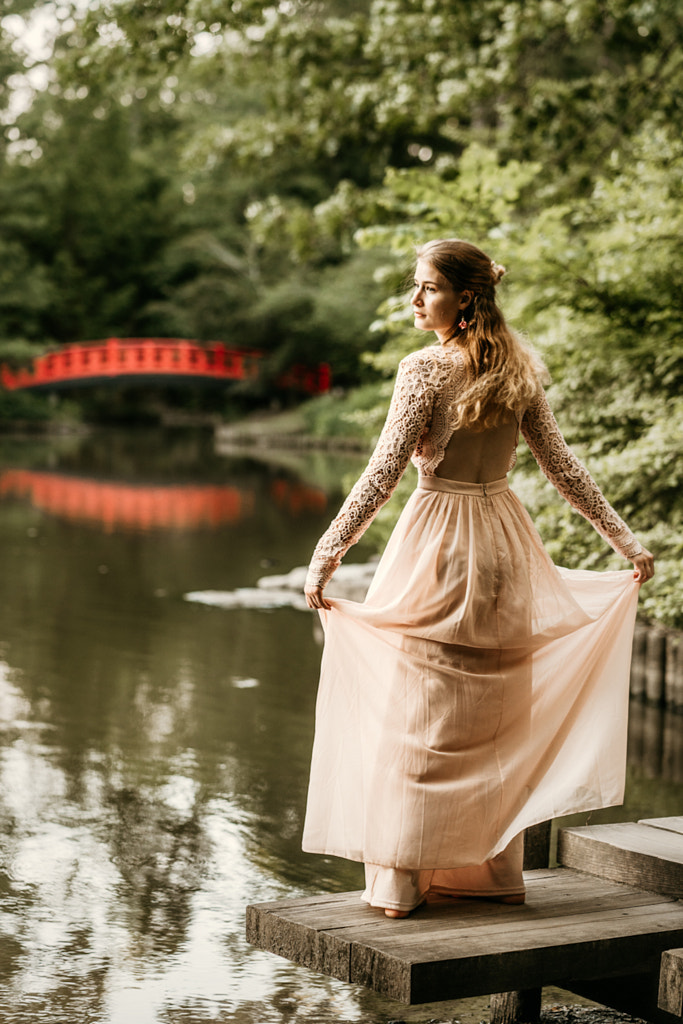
x,y
478,689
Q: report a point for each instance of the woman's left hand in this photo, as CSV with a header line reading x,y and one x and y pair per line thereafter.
x,y
644,565
315,598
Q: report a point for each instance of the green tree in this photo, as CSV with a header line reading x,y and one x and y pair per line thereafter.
x,y
595,283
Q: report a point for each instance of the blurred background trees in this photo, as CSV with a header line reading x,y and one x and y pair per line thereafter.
x,y
259,174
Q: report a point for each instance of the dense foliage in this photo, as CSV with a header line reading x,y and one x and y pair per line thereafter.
x,y
259,173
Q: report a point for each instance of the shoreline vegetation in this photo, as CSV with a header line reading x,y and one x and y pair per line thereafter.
x,y
287,429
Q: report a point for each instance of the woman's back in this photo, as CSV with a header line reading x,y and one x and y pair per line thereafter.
x,y
479,456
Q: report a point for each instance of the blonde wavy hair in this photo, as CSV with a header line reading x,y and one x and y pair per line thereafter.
x,y
503,374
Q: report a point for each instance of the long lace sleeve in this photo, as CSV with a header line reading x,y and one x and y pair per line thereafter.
x,y
408,415
570,477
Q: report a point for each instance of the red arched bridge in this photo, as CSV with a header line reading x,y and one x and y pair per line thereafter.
x,y
159,360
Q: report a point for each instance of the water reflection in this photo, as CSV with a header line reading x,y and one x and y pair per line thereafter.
x,y
122,506
154,753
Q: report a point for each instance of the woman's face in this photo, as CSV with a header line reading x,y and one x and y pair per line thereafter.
x,y
436,307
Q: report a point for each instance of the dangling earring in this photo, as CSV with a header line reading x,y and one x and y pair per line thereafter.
x,y
463,324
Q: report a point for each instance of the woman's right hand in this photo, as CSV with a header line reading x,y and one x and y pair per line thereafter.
x,y
644,565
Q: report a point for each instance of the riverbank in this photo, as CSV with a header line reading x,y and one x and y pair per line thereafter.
x,y
43,428
287,429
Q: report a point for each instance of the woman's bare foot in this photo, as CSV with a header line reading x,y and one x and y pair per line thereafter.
x,y
403,913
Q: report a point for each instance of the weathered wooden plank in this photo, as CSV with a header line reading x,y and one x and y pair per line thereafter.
x,y
439,972
516,1007
553,896
304,935
465,928
670,996
673,824
631,852
522,934
572,925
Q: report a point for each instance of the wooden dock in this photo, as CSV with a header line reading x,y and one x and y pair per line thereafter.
x,y
598,924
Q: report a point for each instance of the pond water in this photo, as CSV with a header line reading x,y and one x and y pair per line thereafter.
x,y
154,752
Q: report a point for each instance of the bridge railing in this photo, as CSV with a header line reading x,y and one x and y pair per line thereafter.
x,y
153,357
143,356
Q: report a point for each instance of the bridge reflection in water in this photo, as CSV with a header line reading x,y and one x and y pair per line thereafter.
x,y
119,505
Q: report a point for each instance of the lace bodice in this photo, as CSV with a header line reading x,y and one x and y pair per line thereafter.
x,y
419,425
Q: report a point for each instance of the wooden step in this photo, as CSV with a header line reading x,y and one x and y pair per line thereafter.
x,y
573,925
670,996
668,824
647,853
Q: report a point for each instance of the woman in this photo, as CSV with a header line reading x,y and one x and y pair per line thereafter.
x,y
478,689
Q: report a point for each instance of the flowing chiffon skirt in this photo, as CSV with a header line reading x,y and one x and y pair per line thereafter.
x,y
476,691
